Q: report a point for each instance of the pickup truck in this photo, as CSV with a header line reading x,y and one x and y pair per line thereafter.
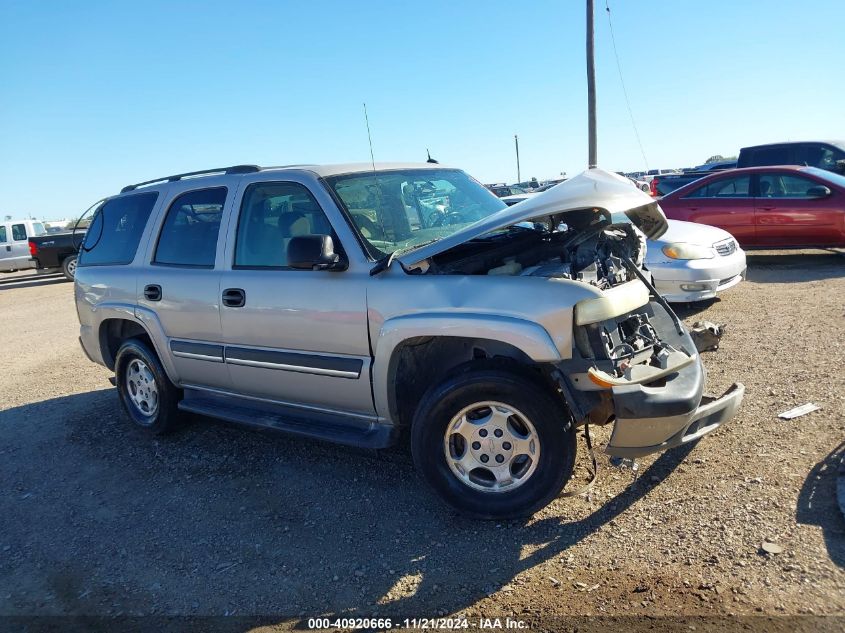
x,y
56,252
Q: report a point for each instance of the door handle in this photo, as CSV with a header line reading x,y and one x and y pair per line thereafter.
x,y
765,208
152,292
9,248
234,298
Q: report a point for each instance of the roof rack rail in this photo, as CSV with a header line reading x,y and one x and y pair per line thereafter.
x,y
234,169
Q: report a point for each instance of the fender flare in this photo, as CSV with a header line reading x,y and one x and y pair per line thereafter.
x,y
528,337
147,320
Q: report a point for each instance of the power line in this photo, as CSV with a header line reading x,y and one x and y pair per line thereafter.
x,y
624,90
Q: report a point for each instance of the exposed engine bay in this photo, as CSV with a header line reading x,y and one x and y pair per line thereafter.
x,y
593,254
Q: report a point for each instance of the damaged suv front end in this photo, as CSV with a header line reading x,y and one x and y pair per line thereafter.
x,y
631,360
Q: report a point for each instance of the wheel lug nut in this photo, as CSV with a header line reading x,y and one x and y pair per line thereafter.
x,y
506,446
483,432
498,433
485,459
500,458
476,445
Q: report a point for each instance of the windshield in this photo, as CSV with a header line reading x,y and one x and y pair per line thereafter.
x,y
836,179
403,209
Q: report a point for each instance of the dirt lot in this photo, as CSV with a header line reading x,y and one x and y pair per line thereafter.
x,y
98,519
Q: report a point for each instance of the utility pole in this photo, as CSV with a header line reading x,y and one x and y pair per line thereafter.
x,y
516,142
591,90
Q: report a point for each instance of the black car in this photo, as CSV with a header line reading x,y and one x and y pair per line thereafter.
x,y
829,155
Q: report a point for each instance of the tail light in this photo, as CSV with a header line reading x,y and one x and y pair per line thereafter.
x,y
653,187
33,248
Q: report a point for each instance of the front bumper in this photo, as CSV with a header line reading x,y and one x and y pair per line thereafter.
x,y
653,418
636,437
697,279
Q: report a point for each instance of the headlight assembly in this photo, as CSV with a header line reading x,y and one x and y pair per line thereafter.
x,y
682,250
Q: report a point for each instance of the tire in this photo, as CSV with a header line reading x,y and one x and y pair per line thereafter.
x,y
515,398
146,394
69,267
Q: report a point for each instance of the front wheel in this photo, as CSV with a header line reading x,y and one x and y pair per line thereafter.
x,y
148,397
493,443
69,267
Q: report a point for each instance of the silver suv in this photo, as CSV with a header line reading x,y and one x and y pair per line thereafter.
x,y
355,303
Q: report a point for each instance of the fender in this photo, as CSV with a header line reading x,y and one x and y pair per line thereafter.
x,y
130,312
148,319
530,338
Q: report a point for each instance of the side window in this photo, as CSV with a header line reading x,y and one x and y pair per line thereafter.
x,y
3,238
116,229
823,157
189,233
785,186
771,156
723,188
18,232
271,214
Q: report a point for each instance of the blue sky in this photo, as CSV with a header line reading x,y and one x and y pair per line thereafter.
x,y
97,94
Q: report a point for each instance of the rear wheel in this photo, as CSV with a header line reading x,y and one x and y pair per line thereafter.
x,y
148,397
69,267
493,443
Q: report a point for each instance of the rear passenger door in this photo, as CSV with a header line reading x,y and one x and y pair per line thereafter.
x,y
725,202
180,284
294,336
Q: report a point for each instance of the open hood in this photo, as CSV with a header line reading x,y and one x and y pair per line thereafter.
x,y
596,193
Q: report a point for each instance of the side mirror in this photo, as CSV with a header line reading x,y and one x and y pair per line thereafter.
x,y
818,192
314,252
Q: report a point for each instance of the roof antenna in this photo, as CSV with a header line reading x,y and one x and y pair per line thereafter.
x,y
380,208
430,159
369,137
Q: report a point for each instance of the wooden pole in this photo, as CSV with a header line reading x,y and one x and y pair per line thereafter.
x,y
591,90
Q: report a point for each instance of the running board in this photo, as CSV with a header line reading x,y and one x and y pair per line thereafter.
x,y
318,425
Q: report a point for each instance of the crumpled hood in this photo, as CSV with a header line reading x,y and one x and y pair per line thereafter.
x,y
596,190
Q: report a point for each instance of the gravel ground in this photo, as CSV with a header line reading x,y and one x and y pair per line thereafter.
x,y
98,519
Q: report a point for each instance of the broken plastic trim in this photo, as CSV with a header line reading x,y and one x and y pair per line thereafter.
x,y
657,296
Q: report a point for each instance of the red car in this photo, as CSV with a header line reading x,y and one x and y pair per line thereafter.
x,y
766,207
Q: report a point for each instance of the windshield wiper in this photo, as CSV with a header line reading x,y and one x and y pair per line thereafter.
x,y
384,263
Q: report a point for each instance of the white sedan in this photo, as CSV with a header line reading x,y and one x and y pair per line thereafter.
x,y
692,262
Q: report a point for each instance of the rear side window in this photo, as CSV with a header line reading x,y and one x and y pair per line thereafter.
x,y
38,229
189,234
3,237
18,232
116,230
770,156
723,188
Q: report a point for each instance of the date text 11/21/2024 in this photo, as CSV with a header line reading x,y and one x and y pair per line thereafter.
x,y
431,624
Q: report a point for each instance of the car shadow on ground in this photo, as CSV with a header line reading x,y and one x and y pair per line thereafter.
x,y
29,281
818,504
218,519
794,266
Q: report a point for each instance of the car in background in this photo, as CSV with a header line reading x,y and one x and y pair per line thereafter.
x,y
716,165
767,207
651,173
14,248
56,252
827,155
691,262
503,191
